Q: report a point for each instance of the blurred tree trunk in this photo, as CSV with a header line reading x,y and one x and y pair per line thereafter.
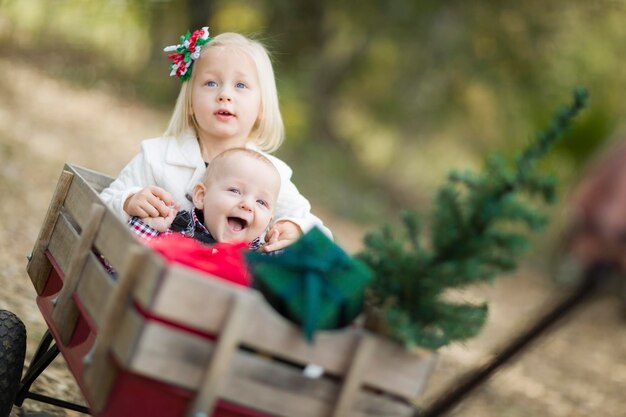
x,y
167,21
199,13
303,26
328,74
298,23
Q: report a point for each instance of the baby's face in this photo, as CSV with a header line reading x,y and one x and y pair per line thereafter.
x,y
239,201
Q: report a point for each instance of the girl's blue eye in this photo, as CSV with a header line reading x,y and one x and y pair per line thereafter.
x,y
234,190
262,203
240,85
211,84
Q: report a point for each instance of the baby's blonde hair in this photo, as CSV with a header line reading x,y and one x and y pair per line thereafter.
x,y
269,133
217,163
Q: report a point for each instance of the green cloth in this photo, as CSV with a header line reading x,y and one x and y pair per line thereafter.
x,y
313,282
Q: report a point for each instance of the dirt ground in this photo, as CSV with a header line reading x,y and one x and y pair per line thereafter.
x,y
577,370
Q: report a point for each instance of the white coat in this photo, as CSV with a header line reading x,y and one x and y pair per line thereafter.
x,y
177,166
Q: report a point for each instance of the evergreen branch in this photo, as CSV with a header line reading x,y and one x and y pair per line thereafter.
x,y
465,243
546,139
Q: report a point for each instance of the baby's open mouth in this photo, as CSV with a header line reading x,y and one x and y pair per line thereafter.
x,y
224,113
237,224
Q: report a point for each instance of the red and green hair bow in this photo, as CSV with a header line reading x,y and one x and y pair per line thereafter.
x,y
184,54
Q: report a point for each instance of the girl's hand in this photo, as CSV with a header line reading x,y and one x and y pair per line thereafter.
x,y
161,223
282,234
149,202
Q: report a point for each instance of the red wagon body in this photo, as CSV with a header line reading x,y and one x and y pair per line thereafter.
x,y
130,394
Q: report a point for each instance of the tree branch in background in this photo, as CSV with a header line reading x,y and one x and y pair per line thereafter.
x,y
471,239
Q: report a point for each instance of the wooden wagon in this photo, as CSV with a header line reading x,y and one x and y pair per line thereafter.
x,y
160,339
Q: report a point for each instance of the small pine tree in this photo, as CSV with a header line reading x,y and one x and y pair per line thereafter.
x,y
472,238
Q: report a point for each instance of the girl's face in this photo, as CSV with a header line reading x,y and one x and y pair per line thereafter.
x,y
226,96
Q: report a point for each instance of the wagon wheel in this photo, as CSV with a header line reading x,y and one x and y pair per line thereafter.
x,y
12,352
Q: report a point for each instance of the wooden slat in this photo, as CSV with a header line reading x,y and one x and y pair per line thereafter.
x,y
95,289
39,267
66,312
129,333
63,242
206,303
281,390
263,385
79,201
354,378
428,362
114,241
223,353
96,180
117,304
169,355
148,287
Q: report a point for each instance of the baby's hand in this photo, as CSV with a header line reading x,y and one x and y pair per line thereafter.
x,y
282,234
162,223
151,201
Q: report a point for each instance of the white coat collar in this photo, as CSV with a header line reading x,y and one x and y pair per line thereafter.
x,y
185,151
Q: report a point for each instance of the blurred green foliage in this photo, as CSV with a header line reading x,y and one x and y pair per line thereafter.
x,y
380,98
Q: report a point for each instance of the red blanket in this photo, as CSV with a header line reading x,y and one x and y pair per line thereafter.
x,y
222,260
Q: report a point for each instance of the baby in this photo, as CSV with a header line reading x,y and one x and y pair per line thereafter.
x,y
233,202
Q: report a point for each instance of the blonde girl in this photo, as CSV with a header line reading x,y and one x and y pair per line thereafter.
x,y
228,99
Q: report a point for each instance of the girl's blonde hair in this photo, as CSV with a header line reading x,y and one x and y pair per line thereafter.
x,y
268,134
